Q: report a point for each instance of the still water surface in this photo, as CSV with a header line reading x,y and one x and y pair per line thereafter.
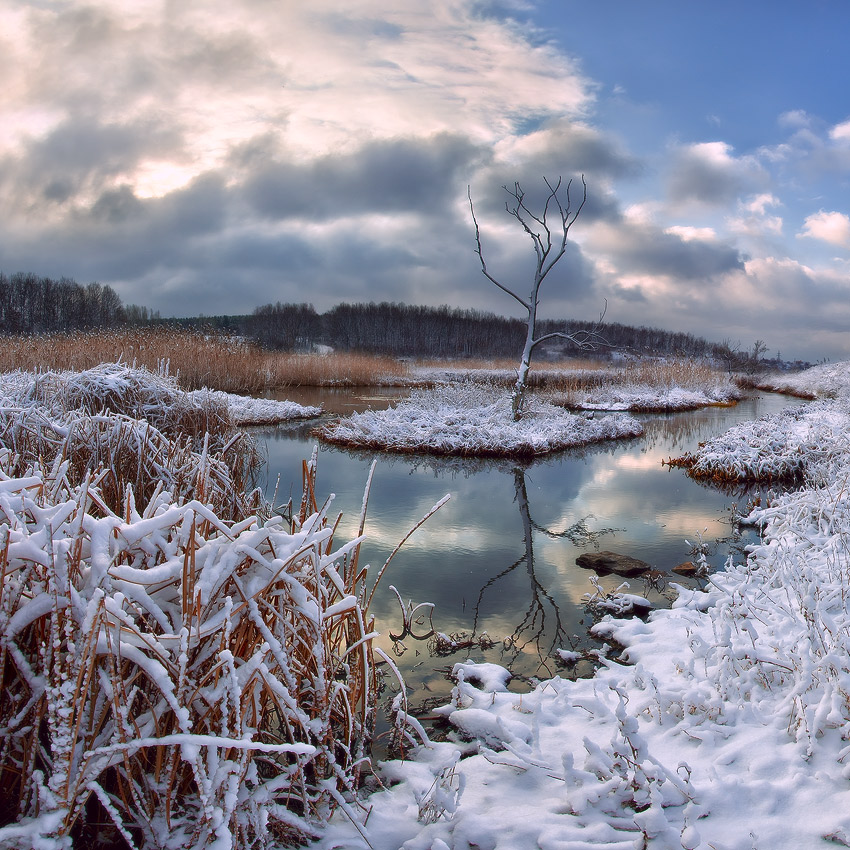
x,y
499,557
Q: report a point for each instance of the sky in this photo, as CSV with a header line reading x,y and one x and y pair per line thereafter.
x,y
211,157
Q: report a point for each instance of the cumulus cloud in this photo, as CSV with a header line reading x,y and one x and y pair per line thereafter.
x,y
841,132
832,227
708,173
677,253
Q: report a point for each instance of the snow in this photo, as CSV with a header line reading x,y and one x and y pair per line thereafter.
x,y
724,724
469,419
246,410
608,389
828,379
639,397
138,391
781,446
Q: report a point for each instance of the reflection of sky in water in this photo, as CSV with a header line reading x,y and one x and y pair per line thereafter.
x,y
470,559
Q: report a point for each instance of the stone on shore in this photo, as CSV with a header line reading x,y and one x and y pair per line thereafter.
x,y
604,563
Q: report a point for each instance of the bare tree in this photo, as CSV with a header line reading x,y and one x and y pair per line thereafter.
x,y
548,231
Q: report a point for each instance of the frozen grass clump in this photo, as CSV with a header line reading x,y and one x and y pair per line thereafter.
x,y
828,380
190,680
470,419
245,410
794,444
135,427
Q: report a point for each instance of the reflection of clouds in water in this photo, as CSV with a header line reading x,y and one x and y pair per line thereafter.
x,y
481,533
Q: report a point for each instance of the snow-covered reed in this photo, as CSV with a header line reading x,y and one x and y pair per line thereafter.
x,y
192,680
130,426
470,419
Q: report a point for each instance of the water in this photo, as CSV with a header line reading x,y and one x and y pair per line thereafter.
x,y
499,559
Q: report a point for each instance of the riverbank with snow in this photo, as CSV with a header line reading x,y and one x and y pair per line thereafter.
x,y
723,725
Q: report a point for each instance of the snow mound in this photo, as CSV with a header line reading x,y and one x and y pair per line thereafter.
x,y
246,410
829,380
648,398
783,446
466,419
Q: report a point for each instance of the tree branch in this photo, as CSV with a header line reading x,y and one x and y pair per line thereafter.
x,y
478,251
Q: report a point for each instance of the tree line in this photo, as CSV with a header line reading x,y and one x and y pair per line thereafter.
x,y
33,304
404,330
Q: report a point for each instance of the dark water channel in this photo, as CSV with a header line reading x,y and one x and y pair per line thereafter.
x,y
498,560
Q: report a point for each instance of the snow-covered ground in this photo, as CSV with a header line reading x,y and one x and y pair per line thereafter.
x,y
245,410
723,726
796,442
469,419
675,386
829,380
643,397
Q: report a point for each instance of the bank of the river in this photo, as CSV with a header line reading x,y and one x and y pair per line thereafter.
x,y
724,724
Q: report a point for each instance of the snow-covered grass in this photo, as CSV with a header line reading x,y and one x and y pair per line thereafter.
x,y
470,419
725,724
246,410
785,446
828,380
174,660
640,385
191,680
137,427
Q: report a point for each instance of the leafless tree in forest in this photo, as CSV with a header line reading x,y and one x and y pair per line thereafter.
x,y
548,231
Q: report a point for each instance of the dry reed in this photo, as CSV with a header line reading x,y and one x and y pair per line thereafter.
x,y
196,359
129,427
188,679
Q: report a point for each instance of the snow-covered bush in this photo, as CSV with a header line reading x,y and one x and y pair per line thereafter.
x,y
470,419
196,681
128,426
788,445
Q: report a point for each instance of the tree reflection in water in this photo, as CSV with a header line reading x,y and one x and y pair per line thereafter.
x,y
541,630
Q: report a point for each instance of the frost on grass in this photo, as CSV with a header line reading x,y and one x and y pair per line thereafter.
x,y
828,380
140,393
193,680
142,428
246,410
724,724
466,419
783,446
644,398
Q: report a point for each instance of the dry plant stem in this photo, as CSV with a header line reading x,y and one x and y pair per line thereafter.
x,y
198,360
199,677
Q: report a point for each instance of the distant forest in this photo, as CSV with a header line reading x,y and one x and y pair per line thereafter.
x,y
32,304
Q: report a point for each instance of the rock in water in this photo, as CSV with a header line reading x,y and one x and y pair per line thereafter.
x,y
612,562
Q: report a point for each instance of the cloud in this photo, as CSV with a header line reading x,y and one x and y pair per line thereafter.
x,y
707,173
399,175
840,132
832,227
637,246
